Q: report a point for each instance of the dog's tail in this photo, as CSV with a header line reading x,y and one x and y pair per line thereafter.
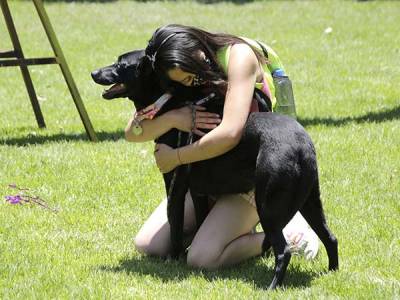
x,y
313,212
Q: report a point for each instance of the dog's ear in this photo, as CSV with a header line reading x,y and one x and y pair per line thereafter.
x,y
144,67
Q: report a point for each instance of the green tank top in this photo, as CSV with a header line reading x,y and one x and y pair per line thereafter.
x,y
267,86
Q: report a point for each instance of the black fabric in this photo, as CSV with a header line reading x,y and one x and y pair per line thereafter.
x,y
263,101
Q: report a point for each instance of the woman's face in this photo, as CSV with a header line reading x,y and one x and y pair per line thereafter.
x,y
187,78
178,75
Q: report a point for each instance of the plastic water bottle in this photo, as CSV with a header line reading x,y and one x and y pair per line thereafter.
x,y
284,94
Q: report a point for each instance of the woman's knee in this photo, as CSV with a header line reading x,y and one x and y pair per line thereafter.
x,y
209,244
202,259
150,247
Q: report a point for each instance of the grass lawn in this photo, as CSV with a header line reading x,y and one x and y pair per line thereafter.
x,y
346,86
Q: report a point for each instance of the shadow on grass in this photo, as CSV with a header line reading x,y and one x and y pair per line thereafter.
x,y
38,139
371,117
250,272
80,1
145,1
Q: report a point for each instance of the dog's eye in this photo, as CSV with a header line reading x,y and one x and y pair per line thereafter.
x,y
120,66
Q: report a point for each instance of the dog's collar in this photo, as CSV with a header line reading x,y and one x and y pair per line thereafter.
x,y
150,111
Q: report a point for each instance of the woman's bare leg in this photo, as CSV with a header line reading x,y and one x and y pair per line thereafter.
x,y
223,239
153,237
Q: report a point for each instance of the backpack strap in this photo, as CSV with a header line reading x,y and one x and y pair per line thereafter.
x,y
264,50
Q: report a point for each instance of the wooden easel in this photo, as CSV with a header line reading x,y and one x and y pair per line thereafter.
x,y
18,59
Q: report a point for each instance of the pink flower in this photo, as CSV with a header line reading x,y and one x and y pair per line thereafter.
x,y
14,199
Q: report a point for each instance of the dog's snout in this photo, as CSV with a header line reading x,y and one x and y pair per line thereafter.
x,y
95,74
104,76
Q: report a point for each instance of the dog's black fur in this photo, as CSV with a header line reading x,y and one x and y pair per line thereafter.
x,y
275,156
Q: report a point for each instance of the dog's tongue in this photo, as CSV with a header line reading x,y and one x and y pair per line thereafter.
x,y
114,91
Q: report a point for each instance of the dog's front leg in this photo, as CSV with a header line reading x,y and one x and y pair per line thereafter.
x,y
176,209
200,203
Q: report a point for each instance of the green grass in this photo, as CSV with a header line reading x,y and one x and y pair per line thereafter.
x,y
347,91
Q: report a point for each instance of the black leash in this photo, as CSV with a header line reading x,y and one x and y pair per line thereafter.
x,y
190,138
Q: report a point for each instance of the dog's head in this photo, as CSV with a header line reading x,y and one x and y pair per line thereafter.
x,y
127,80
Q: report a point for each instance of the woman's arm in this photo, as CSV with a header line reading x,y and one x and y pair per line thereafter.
x,y
242,72
151,129
178,118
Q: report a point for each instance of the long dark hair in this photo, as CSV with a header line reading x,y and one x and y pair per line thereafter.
x,y
175,45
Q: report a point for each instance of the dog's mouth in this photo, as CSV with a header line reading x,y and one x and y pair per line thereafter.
x,y
114,91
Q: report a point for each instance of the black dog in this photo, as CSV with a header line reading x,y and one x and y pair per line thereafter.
x,y
275,156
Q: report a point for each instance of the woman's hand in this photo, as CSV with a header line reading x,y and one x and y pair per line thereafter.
x,y
166,158
183,119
